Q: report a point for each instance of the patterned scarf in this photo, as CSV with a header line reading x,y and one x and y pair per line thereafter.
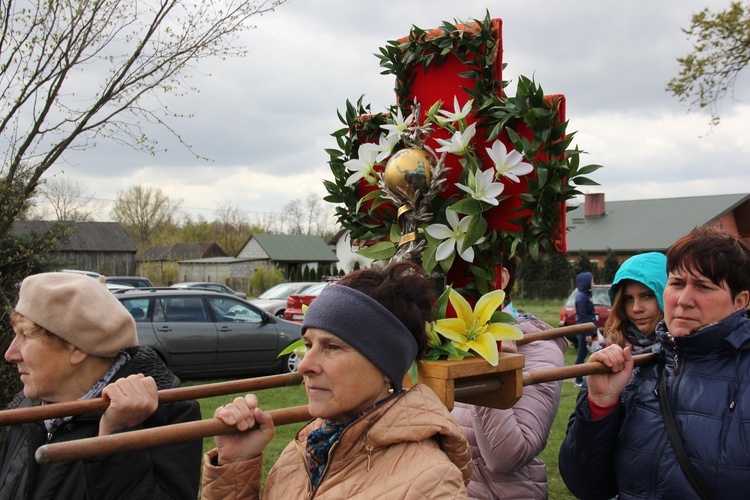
x,y
320,441
123,357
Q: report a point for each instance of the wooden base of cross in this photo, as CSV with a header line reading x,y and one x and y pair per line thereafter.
x,y
474,381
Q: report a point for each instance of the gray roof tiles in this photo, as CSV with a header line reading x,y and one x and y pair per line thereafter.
x,y
295,248
644,225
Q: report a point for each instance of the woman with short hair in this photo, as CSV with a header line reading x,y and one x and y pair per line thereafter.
x,y
618,440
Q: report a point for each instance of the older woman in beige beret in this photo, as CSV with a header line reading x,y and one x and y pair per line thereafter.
x,y
74,340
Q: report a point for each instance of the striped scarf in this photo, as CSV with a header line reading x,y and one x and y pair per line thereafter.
x,y
122,357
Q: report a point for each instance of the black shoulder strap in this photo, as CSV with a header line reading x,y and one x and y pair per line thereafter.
x,y
679,447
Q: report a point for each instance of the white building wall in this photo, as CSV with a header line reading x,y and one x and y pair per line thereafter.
x,y
252,251
216,273
347,257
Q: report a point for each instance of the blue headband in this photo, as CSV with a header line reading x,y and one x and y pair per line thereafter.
x,y
365,324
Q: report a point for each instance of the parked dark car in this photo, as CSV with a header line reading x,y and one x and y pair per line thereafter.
x,y
602,305
210,334
295,302
207,285
273,300
134,281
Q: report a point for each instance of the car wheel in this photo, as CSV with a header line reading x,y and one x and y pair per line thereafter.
x,y
289,363
280,314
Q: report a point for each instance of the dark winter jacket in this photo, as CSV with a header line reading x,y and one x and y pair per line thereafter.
x,y
585,312
171,471
627,452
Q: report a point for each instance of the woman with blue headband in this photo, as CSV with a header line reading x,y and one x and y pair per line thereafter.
x,y
370,438
637,301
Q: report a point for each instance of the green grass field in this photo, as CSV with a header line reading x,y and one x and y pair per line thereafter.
x,y
283,397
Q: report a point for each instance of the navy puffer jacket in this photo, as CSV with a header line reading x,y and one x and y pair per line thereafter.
x,y
585,311
628,452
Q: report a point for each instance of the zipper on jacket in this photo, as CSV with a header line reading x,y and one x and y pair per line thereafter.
x,y
676,352
368,450
325,471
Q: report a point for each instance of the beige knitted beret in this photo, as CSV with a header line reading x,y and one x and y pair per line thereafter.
x,y
78,309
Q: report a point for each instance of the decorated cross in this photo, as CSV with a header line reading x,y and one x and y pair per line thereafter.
x,y
458,173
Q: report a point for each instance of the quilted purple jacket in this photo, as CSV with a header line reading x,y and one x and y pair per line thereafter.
x,y
505,444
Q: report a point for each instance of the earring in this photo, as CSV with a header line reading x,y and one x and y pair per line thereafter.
x,y
388,385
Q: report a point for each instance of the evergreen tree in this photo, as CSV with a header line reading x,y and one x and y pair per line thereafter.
x,y
584,264
611,265
549,277
559,273
325,271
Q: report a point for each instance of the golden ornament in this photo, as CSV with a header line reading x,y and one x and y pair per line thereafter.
x,y
409,171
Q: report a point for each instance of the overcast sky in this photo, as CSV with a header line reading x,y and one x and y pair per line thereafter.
x,y
266,119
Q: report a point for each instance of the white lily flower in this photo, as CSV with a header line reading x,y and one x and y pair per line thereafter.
x,y
363,166
453,237
458,112
481,187
459,142
510,165
399,125
385,146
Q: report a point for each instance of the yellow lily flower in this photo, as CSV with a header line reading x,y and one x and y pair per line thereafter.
x,y
433,339
472,329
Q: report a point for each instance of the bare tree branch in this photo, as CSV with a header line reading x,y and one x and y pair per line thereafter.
x,y
721,50
69,201
233,227
76,71
144,211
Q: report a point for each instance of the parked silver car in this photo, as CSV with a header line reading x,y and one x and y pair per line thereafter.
x,y
134,281
273,300
210,334
208,285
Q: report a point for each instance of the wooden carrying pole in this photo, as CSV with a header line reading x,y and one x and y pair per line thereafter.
x,y
155,436
72,408
582,370
58,410
555,333
158,436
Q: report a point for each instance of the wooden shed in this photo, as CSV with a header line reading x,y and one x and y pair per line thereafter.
x,y
102,247
160,263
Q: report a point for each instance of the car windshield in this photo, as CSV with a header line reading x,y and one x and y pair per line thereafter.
x,y
278,292
600,297
314,290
